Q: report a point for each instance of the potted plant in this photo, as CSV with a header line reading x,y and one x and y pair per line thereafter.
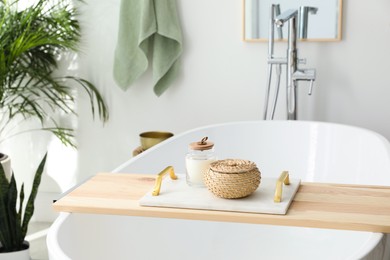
x,y
31,41
14,219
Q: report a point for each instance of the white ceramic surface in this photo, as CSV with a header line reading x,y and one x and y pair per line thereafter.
x,y
17,255
6,164
311,151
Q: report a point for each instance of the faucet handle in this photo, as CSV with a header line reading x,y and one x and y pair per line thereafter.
x,y
277,60
307,75
311,87
301,61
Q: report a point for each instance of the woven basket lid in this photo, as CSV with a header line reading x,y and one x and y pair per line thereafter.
x,y
202,144
232,166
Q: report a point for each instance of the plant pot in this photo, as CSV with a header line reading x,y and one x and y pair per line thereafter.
x,y
17,255
5,160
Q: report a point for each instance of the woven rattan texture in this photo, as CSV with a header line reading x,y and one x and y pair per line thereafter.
x,y
232,178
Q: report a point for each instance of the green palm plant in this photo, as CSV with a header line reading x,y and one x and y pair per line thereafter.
x,y
31,40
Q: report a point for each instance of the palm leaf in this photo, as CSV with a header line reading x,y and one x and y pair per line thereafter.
x,y
30,43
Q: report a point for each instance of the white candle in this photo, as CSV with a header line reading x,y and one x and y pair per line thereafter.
x,y
198,159
196,170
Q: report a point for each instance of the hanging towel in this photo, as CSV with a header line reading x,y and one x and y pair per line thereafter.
x,y
148,25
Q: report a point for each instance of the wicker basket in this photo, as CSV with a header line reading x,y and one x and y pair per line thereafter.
x,y
232,178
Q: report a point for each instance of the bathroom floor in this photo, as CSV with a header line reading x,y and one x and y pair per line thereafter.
x,y
36,235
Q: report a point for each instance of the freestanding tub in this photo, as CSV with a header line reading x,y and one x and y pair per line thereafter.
x,y
314,152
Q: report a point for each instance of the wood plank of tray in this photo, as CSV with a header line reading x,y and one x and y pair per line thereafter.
x,y
318,205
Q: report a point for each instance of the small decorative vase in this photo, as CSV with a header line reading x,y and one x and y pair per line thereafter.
x,y
17,255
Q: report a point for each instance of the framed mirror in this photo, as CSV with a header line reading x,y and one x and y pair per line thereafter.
x,y
322,19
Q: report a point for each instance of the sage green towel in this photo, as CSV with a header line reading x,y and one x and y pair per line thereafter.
x,y
148,25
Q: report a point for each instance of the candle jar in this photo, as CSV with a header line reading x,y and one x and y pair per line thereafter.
x,y
198,159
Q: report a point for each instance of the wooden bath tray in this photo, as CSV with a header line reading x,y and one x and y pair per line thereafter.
x,y
335,206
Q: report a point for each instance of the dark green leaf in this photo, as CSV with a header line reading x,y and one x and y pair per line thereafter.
x,y
29,210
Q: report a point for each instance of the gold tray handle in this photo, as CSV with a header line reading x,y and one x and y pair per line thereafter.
x,y
284,178
157,186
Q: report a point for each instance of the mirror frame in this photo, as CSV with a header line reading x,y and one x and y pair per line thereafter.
x,y
336,39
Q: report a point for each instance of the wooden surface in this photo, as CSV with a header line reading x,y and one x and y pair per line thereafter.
x,y
335,206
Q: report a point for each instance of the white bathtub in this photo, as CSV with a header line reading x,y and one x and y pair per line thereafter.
x,y
312,151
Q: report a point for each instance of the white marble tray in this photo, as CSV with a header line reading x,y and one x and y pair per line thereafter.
x,y
177,194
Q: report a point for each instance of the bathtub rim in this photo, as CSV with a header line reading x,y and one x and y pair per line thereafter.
x,y
372,242
177,136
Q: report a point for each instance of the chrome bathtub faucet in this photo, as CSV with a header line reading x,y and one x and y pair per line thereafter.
x,y
294,74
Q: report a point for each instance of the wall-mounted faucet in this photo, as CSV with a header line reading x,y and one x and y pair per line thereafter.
x,y
293,74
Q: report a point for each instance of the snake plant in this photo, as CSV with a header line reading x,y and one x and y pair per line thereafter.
x,y
31,42
14,218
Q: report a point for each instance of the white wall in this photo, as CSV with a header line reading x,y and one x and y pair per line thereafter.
x,y
223,79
